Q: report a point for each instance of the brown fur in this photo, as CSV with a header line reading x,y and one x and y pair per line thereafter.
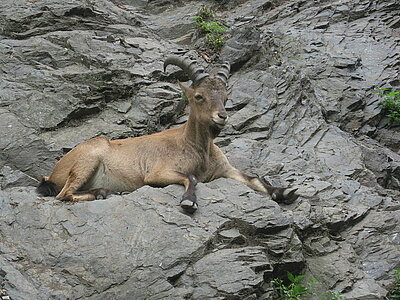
x,y
174,156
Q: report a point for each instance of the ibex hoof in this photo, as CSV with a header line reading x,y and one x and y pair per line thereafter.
x,y
189,206
286,196
102,193
68,198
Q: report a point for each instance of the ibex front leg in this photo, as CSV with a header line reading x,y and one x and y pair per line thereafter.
x,y
189,200
279,194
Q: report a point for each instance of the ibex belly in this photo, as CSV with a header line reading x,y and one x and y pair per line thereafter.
x,y
113,180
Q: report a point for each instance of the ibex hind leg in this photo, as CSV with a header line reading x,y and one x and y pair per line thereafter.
x,y
102,193
90,195
79,174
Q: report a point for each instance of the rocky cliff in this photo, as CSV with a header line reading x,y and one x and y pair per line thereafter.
x,y
303,112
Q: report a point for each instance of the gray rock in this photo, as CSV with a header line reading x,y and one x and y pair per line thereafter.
x,y
17,144
213,273
102,248
242,46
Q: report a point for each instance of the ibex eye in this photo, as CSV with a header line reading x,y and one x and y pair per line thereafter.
x,y
198,97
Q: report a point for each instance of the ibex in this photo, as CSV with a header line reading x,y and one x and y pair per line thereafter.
x,y
184,155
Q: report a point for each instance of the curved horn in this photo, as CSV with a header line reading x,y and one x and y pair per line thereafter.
x,y
188,65
223,73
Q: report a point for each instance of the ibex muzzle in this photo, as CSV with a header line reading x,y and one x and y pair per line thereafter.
x,y
184,155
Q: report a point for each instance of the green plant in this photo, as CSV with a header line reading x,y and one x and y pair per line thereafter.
x,y
204,13
293,291
390,103
212,29
334,296
296,290
184,96
395,293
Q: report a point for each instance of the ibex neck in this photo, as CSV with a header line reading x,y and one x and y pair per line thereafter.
x,y
199,135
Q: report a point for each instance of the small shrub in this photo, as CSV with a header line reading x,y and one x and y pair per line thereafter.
x,y
293,291
205,13
390,103
296,290
212,29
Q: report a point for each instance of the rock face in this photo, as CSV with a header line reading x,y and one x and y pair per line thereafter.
x,y
303,111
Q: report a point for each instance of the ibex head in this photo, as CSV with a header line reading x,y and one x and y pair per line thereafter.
x,y
208,95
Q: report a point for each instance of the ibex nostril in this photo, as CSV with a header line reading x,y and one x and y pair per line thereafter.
x,y
223,116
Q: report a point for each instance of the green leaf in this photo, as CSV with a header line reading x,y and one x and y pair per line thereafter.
x,y
290,276
299,289
299,278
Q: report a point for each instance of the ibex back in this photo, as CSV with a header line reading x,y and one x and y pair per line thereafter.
x,y
183,155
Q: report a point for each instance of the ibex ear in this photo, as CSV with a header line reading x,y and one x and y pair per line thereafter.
x,y
186,90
